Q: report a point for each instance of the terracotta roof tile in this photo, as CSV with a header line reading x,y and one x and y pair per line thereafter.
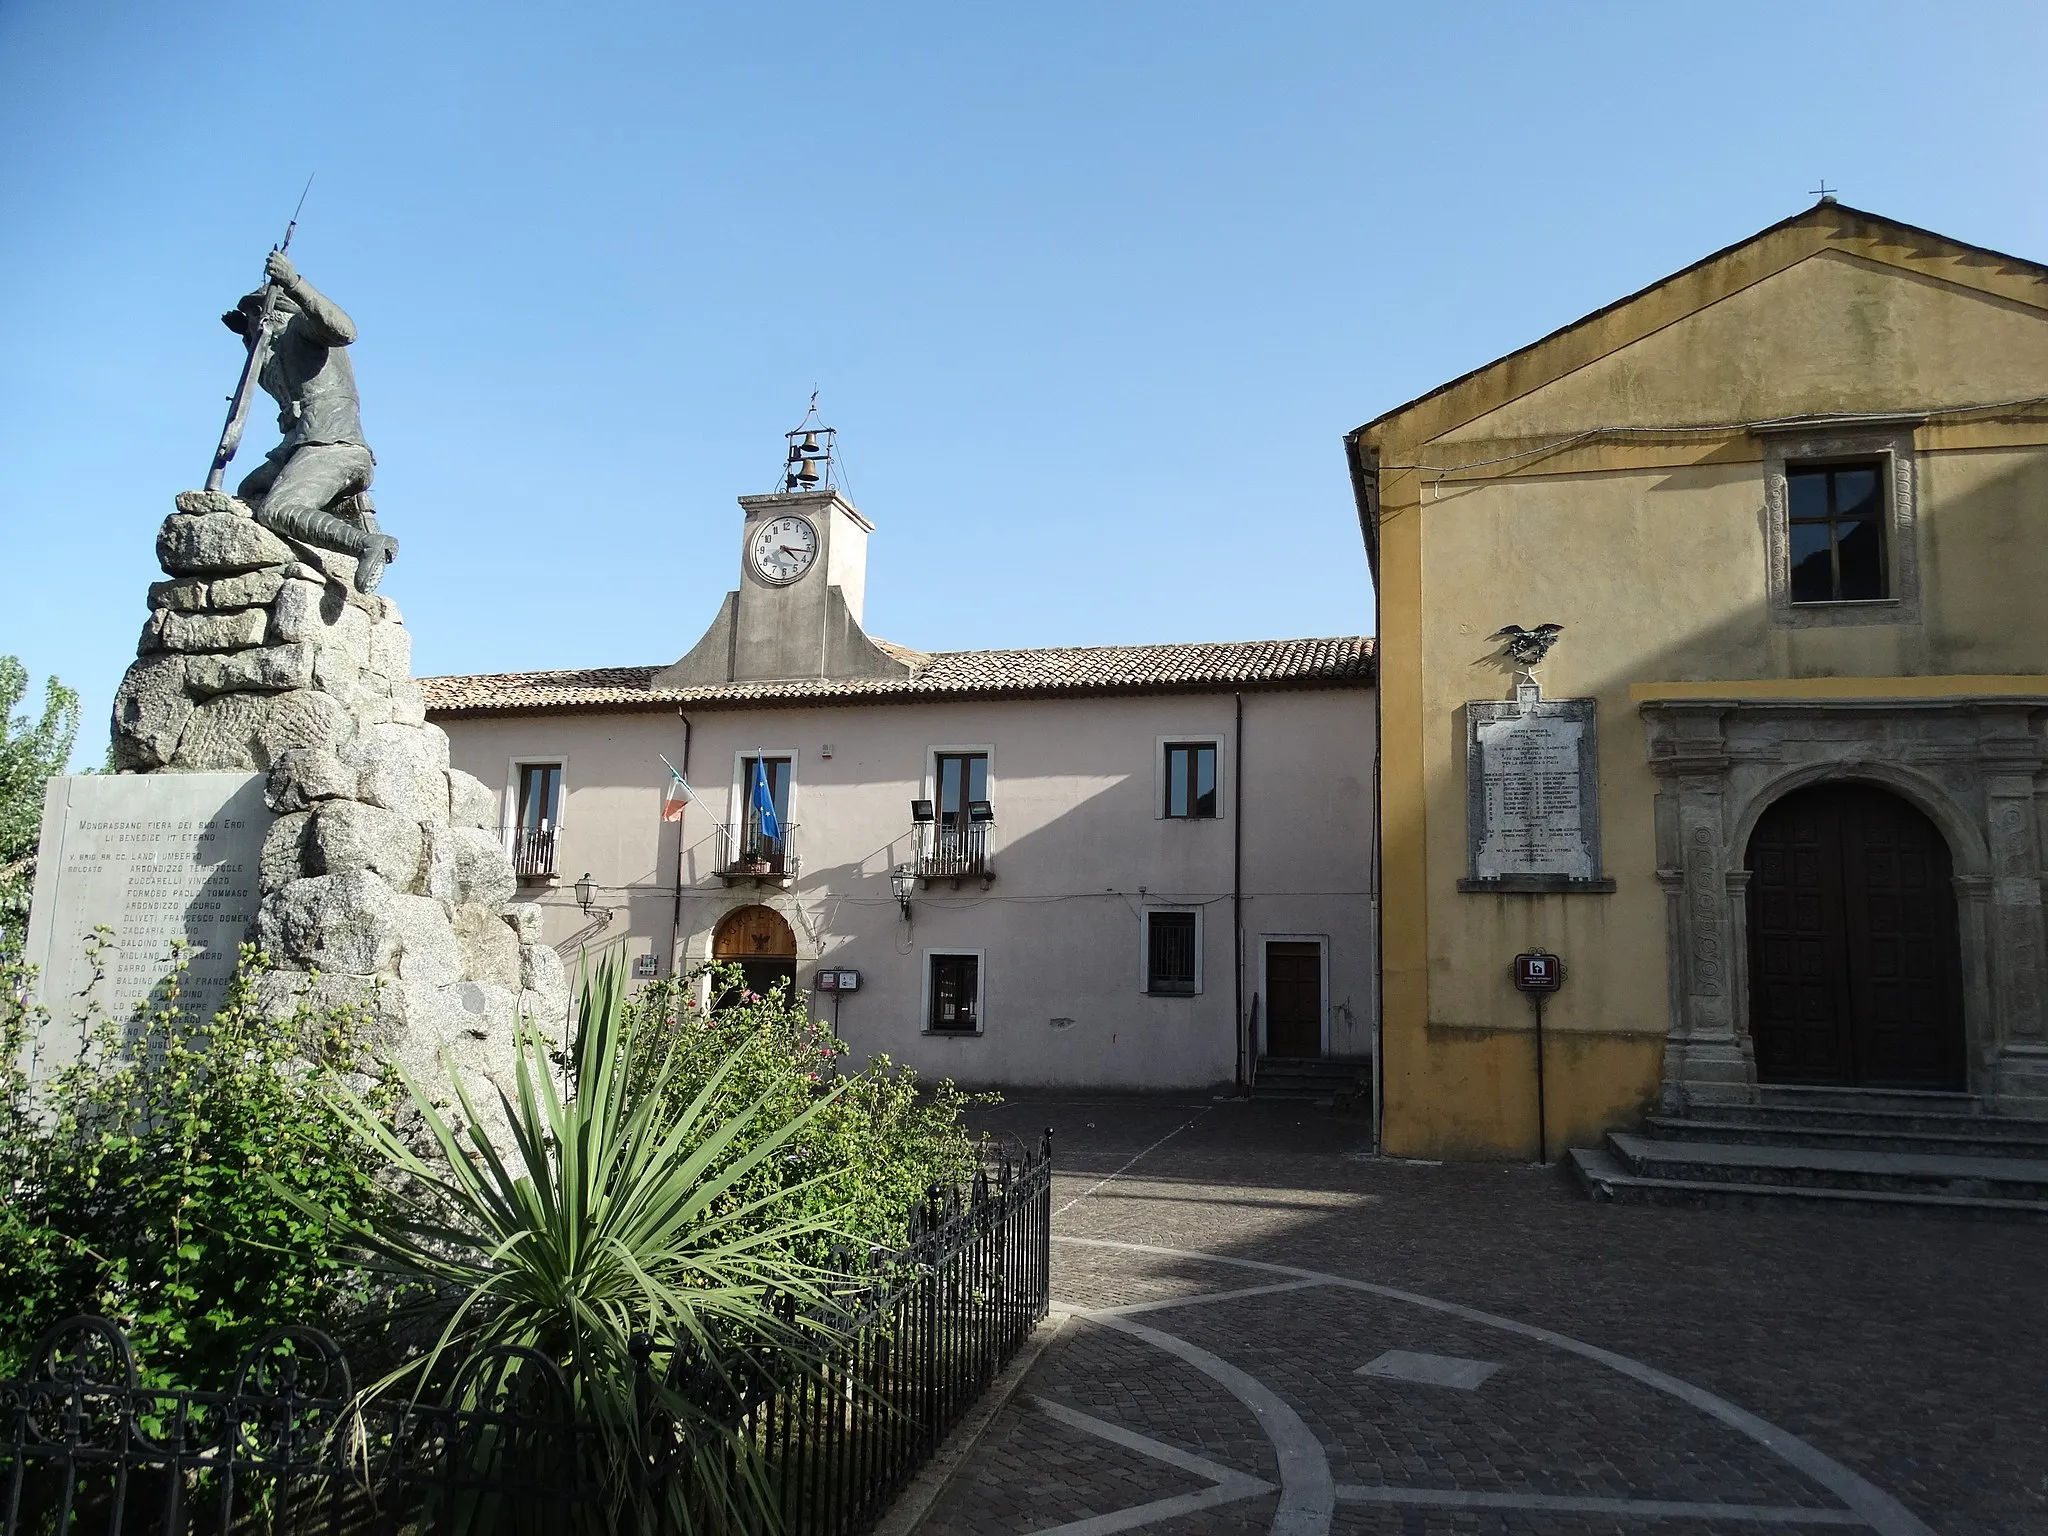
x,y
1340,662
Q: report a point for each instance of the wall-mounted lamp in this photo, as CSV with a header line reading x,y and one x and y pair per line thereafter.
x,y
585,890
903,881
980,810
921,811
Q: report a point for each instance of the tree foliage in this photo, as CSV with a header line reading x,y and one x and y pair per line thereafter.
x,y
883,1139
31,753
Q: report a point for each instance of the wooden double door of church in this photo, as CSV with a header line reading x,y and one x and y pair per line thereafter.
x,y
1854,965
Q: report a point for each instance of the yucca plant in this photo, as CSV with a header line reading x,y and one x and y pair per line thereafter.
x,y
615,1219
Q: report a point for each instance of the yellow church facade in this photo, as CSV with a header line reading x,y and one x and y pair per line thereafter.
x,y
1774,794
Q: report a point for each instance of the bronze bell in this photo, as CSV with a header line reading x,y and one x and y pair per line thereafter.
x,y
808,474
810,443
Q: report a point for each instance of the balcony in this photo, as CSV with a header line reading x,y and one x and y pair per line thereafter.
x,y
533,852
762,860
955,852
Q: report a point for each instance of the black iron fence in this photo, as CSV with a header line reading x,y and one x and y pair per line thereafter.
x,y
915,1335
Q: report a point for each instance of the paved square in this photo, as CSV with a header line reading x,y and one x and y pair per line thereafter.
x,y
1429,1370
1535,1364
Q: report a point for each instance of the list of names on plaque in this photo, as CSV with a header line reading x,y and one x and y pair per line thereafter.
x,y
157,860
1530,766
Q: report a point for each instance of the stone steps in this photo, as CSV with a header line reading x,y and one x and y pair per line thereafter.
x,y
1850,1147
1323,1079
1606,1178
1962,1137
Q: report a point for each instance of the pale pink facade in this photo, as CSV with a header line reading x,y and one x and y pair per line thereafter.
x,y
1081,849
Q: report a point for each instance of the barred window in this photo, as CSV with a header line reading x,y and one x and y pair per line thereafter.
x,y
1170,953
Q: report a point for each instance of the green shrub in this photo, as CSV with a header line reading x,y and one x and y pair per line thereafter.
x,y
160,1179
623,1210
866,1157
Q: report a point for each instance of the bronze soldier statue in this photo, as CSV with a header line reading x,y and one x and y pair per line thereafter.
x,y
314,485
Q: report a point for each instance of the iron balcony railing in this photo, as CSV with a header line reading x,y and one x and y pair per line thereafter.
x,y
955,851
912,1337
533,852
765,857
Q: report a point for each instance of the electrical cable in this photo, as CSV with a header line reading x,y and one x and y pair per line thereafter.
x,y
1847,418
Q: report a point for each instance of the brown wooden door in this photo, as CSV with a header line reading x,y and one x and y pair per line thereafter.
x,y
1294,999
761,942
1855,973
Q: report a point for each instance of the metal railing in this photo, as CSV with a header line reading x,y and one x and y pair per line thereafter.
x,y
533,851
957,852
753,854
915,1335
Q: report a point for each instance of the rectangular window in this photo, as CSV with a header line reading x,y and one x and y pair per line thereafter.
x,y
538,812
1835,517
959,839
764,844
955,989
1170,953
1191,779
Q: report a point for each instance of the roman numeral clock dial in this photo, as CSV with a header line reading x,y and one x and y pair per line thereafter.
x,y
782,549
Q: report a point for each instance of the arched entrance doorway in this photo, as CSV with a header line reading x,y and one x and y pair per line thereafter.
x,y
758,940
1855,975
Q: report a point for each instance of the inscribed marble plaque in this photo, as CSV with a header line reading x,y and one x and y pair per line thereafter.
x,y
154,858
1532,785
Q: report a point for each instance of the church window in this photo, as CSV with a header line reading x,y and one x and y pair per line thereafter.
x,y
1835,516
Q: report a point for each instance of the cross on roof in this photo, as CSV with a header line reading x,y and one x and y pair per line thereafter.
x,y
1825,192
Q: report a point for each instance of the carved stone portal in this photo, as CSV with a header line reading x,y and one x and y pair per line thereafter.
x,y
1974,766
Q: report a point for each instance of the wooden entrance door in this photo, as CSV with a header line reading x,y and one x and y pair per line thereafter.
x,y
1294,998
1854,966
760,941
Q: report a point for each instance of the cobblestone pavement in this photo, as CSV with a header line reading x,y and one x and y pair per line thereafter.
x,y
1267,1329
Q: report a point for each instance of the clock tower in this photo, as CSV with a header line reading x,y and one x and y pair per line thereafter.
x,y
803,579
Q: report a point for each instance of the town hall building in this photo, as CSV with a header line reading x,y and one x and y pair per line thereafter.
x,y
1131,867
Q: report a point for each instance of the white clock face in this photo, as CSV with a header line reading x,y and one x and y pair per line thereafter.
x,y
782,549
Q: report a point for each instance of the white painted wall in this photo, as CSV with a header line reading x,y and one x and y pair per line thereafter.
x,y
1079,849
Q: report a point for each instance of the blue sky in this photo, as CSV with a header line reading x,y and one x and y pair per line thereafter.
x,y
1092,292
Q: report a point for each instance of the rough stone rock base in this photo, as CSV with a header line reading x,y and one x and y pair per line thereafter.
x,y
384,881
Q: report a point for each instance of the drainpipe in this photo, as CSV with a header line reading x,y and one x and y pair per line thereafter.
x,y
1244,1045
675,920
1365,488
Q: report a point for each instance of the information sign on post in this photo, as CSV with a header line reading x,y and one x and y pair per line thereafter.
x,y
1538,973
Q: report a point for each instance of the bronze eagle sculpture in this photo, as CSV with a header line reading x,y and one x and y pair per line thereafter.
x,y
1527,646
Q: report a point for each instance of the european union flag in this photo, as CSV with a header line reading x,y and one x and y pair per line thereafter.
x,y
764,803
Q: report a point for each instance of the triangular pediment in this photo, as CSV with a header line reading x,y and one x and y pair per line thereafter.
x,y
1831,311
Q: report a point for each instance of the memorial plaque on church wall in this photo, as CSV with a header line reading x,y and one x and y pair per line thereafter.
x,y
1532,785
155,858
